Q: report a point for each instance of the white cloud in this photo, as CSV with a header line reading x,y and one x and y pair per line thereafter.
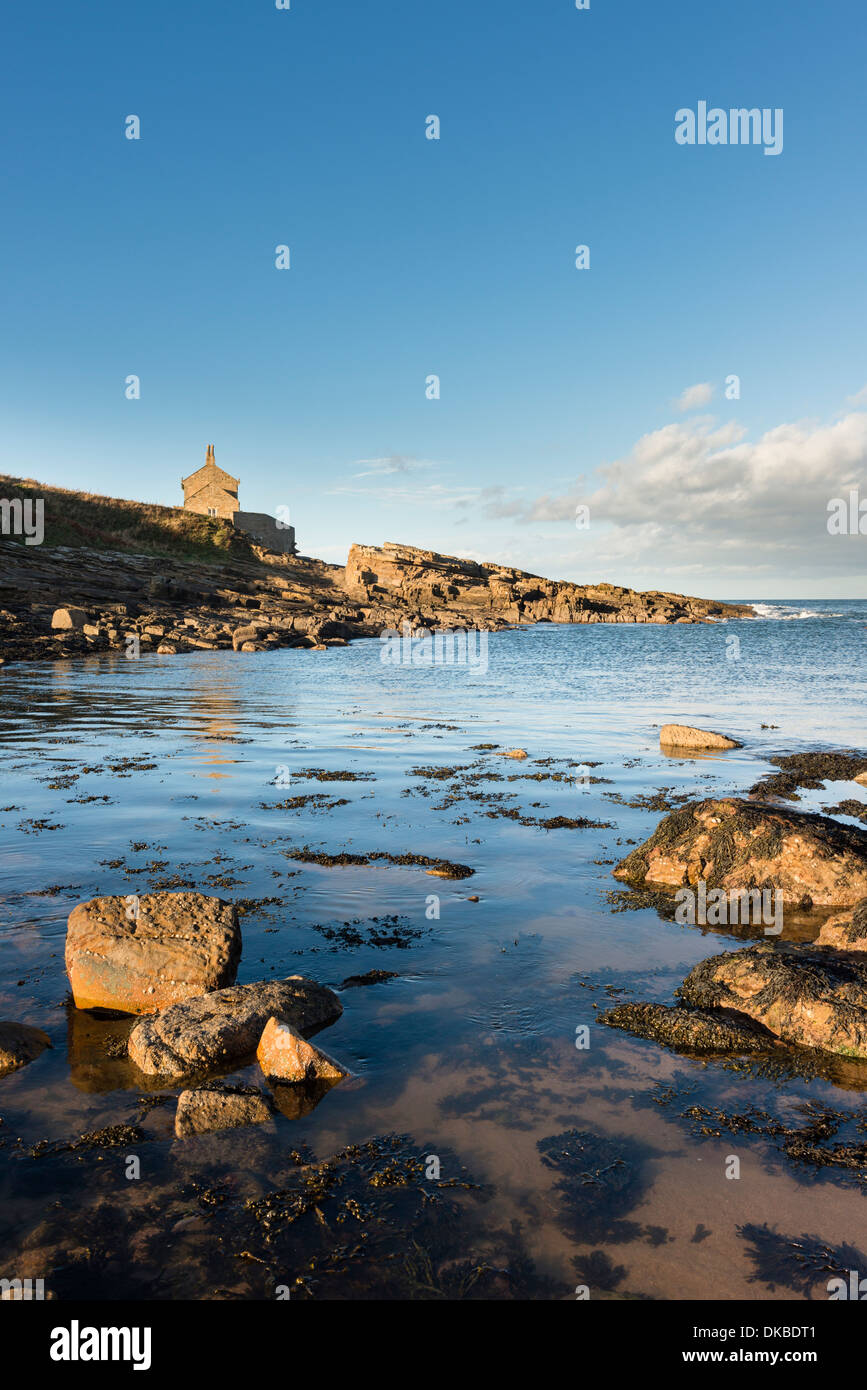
x,y
695,498
694,397
393,463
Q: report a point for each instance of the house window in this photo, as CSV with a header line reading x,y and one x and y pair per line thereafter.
x,y
212,511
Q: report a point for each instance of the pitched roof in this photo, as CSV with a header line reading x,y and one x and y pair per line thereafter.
x,y
211,473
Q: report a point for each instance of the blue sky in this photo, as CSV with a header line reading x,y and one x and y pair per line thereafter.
x,y
411,257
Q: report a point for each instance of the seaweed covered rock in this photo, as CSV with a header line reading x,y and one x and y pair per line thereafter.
x,y
811,770
811,996
220,1030
137,955
730,843
699,1031
846,931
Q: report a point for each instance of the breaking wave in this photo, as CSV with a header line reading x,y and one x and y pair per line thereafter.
x,y
781,612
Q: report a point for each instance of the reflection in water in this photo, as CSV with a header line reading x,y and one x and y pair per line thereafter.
x,y
558,1166
302,1099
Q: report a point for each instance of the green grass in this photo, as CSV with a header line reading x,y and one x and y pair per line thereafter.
x,y
83,519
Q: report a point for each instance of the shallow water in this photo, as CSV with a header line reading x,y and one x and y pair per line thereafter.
x,y
126,777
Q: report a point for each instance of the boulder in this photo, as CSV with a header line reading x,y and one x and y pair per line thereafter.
x,y
20,1044
222,1030
729,843
517,753
846,931
684,736
220,1107
248,633
141,954
698,1031
68,619
861,779
812,996
284,1055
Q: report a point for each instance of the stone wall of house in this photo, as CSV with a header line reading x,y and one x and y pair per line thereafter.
x,y
266,530
211,495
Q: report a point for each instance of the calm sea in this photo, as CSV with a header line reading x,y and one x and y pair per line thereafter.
x,y
122,777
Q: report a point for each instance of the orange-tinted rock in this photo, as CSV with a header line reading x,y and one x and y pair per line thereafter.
x,y
730,843
846,931
68,619
138,955
446,591
219,1031
284,1055
684,736
249,633
812,997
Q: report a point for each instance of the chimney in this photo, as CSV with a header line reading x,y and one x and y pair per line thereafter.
x,y
210,455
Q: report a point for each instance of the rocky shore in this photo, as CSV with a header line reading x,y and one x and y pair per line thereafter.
x,y
67,601
171,958
396,581
169,1051
736,855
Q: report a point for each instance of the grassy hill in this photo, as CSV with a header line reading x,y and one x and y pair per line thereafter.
x,y
109,523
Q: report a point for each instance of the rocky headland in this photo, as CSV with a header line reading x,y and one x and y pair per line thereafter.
x,y
138,579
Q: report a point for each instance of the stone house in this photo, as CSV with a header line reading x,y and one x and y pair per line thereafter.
x,y
212,491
